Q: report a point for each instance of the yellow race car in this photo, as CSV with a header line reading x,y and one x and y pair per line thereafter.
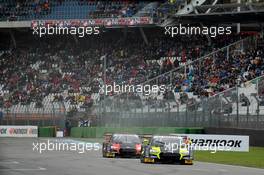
x,y
167,149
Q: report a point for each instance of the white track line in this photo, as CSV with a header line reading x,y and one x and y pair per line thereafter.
x,y
9,162
24,169
232,166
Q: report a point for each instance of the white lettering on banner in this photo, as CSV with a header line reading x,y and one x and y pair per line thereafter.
x,y
18,131
228,142
95,22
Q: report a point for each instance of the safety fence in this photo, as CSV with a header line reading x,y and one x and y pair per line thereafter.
x,y
189,100
98,132
30,115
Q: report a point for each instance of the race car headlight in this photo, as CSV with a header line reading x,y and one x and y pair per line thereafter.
x,y
184,151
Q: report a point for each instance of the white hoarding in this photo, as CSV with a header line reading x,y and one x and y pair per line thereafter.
x,y
18,131
219,142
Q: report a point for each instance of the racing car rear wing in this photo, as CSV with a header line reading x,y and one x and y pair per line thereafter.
x,y
145,138
107,137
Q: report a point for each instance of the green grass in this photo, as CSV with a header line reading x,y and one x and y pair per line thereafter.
x,y
253,158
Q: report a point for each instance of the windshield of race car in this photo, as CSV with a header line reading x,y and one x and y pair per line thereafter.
x,y
162,140
118,138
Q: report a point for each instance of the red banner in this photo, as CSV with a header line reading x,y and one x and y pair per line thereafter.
x,y
108,22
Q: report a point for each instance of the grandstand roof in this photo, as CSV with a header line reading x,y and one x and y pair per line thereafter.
x,y
221,17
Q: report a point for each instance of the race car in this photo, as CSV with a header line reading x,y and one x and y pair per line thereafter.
x,y
121,145
167,149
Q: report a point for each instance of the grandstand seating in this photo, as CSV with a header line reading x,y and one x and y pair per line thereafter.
x,y
66,76
175,105
67,9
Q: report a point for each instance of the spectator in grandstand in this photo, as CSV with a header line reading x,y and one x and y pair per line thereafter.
x,y
261,100
46,7
1,101
244,100
1,115
183,98
192,104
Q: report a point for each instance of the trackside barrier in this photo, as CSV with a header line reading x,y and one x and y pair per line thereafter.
x,y
47,131
216,142
97,132
18,131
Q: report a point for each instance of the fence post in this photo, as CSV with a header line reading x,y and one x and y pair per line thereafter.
x,y
186,116
237,103
257,105
227,52
171,77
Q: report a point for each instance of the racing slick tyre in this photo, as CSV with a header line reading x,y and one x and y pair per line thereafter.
x,y
186,162
142,159
147,160
103,151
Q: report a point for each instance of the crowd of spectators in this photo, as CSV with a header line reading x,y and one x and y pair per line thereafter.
x,y
73,71
113,9
214,75
224,72
39,9
13,10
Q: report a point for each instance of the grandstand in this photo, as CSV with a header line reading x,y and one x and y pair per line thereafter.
x,y
79,77
194,99
55,77
44,10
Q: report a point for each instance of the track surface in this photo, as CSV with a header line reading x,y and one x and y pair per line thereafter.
x,y
18,158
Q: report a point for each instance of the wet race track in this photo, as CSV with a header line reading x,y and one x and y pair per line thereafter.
x,y
18,158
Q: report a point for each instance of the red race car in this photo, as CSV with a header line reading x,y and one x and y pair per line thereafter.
x,y
121,145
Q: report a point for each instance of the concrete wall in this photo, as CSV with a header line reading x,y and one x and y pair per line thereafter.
x,y
15,24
